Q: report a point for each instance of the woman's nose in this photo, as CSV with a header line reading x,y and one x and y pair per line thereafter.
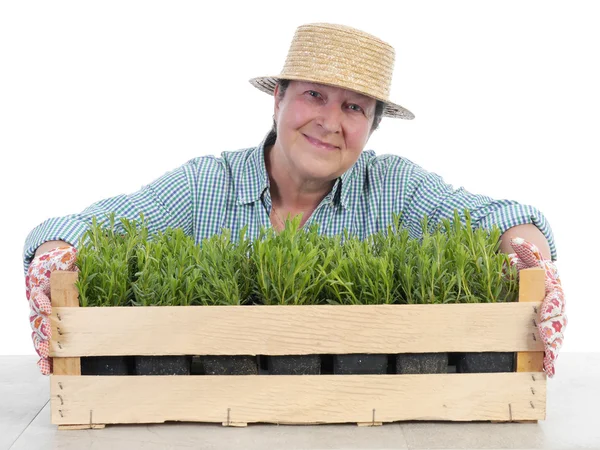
x,y
330,117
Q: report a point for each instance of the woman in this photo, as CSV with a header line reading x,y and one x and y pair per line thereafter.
x,y
329,98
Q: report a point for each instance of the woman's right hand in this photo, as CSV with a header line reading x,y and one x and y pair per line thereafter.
x,y
37,284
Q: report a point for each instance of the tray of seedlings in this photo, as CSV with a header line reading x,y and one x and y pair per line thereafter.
x,y
295,327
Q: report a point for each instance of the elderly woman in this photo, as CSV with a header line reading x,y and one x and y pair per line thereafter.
x,y
329,98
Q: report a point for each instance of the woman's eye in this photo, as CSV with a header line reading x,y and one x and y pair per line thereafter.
x,y
314,94
355,107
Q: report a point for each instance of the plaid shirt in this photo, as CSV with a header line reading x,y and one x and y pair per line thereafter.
x,y
208,193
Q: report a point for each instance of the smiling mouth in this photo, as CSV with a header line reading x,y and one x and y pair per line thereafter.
x,y
320,144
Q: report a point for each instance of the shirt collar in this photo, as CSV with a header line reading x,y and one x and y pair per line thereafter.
x,y
255,180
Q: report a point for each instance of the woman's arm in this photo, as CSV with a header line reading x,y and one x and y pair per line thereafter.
x,y
530,233
49,245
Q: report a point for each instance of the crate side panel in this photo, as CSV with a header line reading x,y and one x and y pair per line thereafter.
x,y
289,330
297,399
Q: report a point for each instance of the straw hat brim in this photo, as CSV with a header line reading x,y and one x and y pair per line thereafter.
x,y
267,85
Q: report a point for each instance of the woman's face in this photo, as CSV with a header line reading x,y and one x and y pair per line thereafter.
x,y
322,129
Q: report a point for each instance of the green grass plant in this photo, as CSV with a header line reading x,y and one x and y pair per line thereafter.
x,y
121,264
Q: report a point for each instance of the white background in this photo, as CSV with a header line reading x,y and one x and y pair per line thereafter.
x,y
100,98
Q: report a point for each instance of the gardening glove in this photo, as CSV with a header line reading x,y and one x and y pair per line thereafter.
x,y
552,319
37,283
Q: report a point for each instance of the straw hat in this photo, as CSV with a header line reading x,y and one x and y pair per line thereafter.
x,y
340,56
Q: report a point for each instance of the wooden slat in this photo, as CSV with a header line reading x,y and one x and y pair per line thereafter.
x,y
63,293
290,330
235,424
298,399
532,289
81,427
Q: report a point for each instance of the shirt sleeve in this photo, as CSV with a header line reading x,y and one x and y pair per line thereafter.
x,y
427,193
166,202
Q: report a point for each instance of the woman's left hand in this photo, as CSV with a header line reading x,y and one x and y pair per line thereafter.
x,y
552,319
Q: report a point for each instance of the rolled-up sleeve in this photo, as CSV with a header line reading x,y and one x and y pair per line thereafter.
x,y
427,193
166,202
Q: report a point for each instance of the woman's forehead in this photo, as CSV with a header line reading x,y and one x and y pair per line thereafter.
x,y
329,88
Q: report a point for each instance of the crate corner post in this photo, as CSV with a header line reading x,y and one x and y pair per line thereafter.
x,y
531,289
63,293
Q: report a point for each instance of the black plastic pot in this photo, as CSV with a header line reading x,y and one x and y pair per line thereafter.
x,y
163,365
360,364
326,364
485,362
106,365
419,363
196,367
229,365
294,365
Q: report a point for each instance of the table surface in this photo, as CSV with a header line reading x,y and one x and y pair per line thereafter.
x,y
572,422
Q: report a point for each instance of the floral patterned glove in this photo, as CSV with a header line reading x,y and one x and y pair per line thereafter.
x,y
37,284
552,320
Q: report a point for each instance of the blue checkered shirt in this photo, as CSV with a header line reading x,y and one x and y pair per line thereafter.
x,y
209,193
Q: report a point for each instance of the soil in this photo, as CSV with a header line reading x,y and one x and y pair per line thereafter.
x,y
294,365
229,365
360,364
420,363
106,365
163,365
485,362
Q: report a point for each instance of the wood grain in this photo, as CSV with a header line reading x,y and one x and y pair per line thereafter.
x,y
298,399
532,290
63,293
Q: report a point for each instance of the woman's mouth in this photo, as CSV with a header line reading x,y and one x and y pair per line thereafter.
x,y
320,144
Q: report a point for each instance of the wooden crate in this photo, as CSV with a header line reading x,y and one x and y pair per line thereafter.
x,y
92,401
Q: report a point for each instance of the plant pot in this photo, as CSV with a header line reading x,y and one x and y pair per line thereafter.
x,y
196,367
294,365
163,365
485,362
360,364
417,363
229,365
106,365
